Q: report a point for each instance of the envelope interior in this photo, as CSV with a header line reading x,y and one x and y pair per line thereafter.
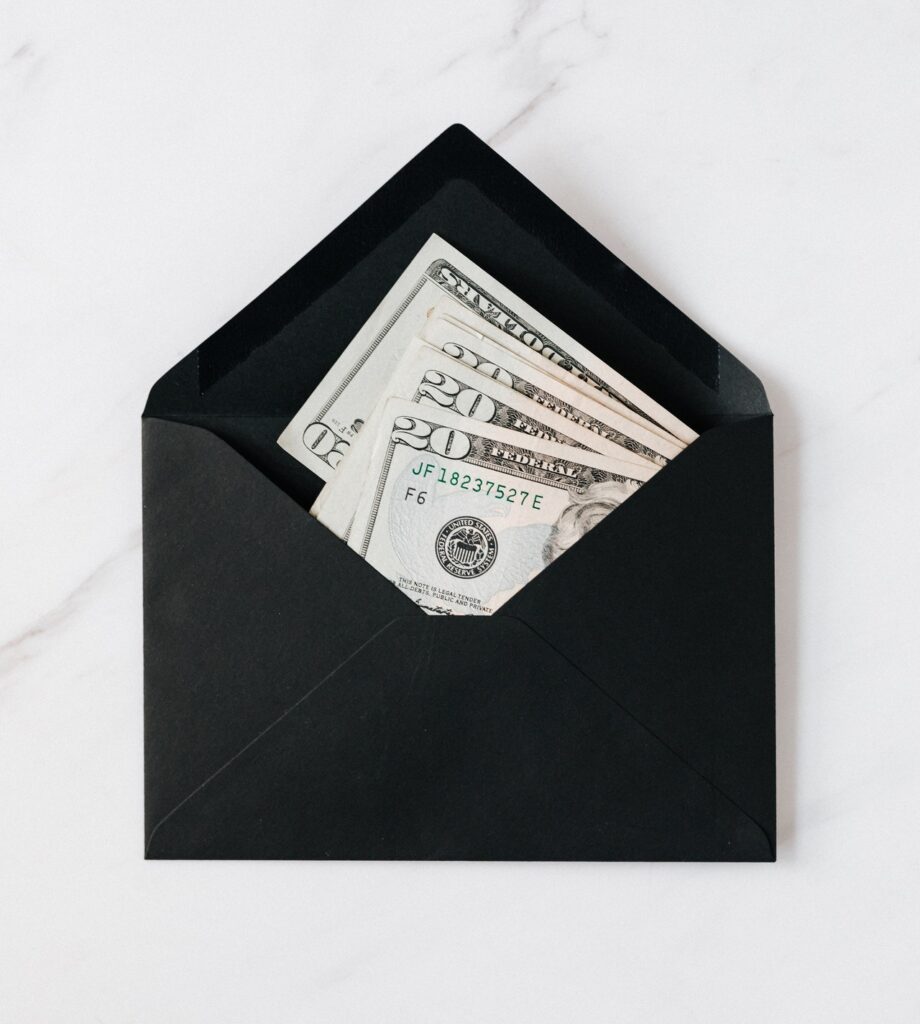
x,y
247,380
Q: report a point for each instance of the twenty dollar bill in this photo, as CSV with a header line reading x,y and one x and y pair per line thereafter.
x,y
436,380
460,514
320,433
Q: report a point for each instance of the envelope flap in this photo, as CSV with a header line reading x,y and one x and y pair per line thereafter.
x,y
245,597
667,605
457,739
268,358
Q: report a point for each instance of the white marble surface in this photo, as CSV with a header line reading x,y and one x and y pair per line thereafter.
x,y
160,164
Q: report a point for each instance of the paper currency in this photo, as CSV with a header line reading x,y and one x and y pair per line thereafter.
x,y
523,376
432,378
330,420
466,442
458,316
461,514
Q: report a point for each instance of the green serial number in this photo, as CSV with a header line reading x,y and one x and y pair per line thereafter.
x,y
476,485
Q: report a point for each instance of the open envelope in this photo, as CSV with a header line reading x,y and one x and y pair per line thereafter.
x,y
297,705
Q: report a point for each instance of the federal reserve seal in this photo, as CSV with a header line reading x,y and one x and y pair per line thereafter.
x,y
466,547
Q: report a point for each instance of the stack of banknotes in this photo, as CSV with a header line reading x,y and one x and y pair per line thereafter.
x,y
466,442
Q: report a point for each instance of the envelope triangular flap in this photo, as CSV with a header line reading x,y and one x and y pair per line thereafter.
x,y
248,604
457,739
252,375
667,605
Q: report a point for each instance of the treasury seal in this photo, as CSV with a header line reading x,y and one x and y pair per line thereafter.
x,y
466,547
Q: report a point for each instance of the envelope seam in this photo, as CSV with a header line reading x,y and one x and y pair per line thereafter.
x,y
262,733
651,733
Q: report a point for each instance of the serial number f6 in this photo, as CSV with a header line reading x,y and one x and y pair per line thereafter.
x,y
418,497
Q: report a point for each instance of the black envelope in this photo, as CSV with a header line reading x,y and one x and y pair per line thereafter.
x,y
297,705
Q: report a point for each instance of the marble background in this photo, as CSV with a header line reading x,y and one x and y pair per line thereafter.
x,y
160,164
